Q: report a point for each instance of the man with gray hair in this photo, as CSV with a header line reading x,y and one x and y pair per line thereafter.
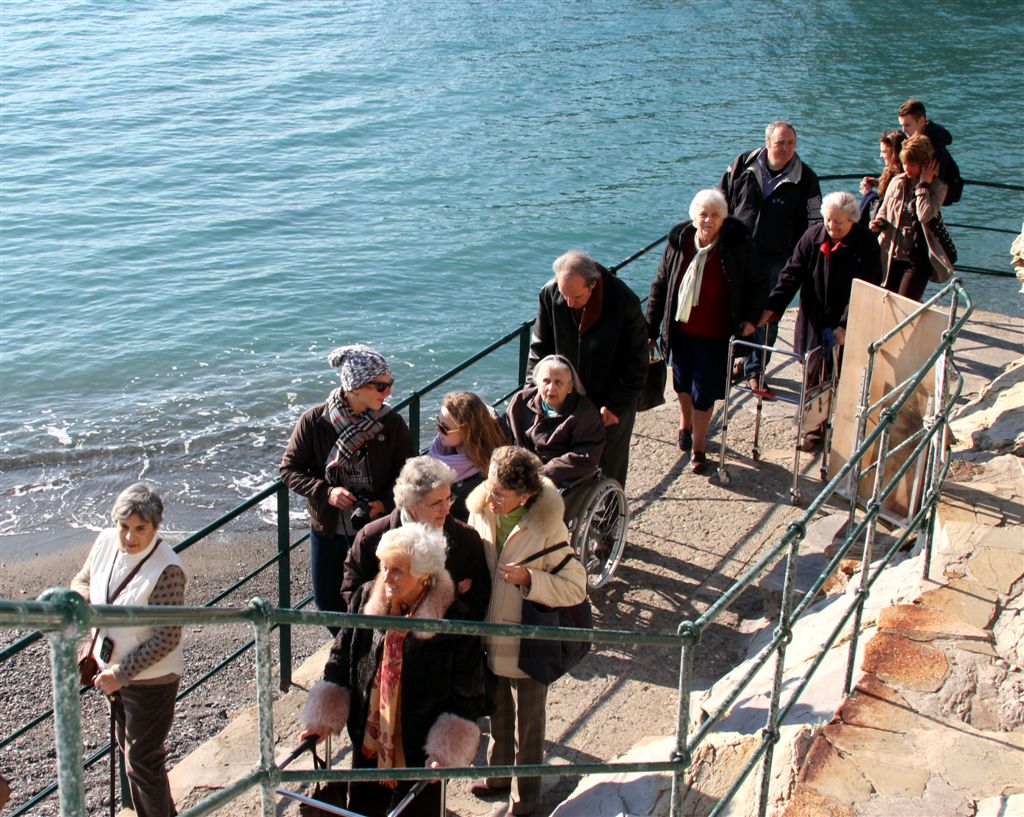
x,y
777,197
593,319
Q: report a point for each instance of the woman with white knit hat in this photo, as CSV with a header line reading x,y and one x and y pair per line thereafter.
x,y
344,457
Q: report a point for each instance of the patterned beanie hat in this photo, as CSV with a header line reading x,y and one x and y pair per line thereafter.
x,y
359,364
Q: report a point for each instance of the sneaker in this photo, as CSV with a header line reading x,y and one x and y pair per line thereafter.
x,y
685,439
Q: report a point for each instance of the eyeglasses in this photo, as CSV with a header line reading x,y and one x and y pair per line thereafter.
x,y
381,385
447,502
443,428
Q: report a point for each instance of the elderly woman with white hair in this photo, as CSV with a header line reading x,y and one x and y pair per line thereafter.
x,y
824,263
423,493
708,287
409,699
344,456
557,421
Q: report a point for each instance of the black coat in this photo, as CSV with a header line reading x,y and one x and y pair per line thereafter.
x,y
746,283
776,222
824,287
569,443
610,357
466,560
441,673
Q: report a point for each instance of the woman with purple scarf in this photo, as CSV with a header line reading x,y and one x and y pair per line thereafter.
x,y
344,456
467,434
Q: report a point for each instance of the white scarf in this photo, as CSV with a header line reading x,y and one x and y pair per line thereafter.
x,y
689,289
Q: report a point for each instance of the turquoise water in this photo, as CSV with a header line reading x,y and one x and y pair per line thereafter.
x,y
199,200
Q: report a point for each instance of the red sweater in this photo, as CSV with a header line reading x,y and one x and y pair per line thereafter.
x,y
710,317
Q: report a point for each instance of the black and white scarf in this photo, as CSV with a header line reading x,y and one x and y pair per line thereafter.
x,y
354,431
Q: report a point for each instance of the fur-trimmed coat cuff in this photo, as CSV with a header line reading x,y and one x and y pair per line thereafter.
x,y
326,708
452,741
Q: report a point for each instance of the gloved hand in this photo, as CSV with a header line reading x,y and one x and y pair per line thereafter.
x,y
828,338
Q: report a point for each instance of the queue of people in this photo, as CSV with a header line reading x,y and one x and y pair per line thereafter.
x,y
476,527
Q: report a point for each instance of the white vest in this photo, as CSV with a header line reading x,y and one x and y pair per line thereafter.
x,y
135,594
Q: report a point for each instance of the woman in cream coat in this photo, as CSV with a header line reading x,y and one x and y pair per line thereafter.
x,y
518,513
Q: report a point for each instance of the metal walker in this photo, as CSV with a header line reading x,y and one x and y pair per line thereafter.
x,y
819,369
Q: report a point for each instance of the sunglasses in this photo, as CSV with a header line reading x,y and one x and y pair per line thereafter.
x,y
443,428
381,386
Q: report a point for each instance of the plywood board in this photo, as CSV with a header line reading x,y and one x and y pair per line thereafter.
x,y
873,312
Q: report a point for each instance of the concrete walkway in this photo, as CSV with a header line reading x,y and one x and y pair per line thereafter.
x,y
689,538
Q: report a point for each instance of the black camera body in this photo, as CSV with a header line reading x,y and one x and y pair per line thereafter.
x,y
360,511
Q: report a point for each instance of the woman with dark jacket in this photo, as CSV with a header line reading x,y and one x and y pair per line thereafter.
x,y
708,288
345,451
557,421
409,699
423,493
824,263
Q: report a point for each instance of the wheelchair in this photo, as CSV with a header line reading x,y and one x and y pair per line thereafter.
x,y
597,516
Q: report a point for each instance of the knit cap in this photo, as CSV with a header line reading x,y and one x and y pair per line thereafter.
x,y
358,365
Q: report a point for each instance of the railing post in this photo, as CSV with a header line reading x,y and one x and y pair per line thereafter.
x,y
785,633
874,508
67,707
414,418
284,584
687,653
525,333
265,704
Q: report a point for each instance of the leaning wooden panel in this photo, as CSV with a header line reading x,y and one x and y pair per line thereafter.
x,y
873,312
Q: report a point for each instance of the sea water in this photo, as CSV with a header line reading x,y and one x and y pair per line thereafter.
x,y
199,199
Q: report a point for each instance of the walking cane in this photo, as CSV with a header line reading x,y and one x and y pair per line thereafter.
x,y
113,752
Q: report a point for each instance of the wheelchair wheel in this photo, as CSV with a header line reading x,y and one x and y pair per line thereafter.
x,y
599,532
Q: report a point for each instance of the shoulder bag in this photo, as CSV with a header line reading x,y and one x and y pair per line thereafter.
x,y
653,393
546,660
937,227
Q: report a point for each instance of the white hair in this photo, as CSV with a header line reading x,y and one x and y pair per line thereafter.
x,y
424,546
578,263
841,200
140,499
774,126
711,197
418,477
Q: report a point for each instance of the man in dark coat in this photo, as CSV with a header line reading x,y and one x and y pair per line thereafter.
x,y
913,121
593,319
777,197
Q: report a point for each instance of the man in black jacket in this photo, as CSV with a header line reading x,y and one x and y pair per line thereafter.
x,y
777,197
593,319
913,120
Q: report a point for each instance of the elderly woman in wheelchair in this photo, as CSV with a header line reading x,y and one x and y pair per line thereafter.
x,y
558,422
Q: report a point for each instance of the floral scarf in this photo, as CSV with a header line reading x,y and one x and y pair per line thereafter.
x,y
383,736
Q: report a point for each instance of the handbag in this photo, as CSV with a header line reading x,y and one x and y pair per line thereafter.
x,y
653,392
937,227
545,661
88,666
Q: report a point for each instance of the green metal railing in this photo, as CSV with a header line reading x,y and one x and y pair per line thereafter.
x,y
688,631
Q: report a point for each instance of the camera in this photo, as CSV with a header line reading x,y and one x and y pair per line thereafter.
x,y
361,510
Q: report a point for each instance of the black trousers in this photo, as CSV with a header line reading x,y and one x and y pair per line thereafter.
x,y
615,459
